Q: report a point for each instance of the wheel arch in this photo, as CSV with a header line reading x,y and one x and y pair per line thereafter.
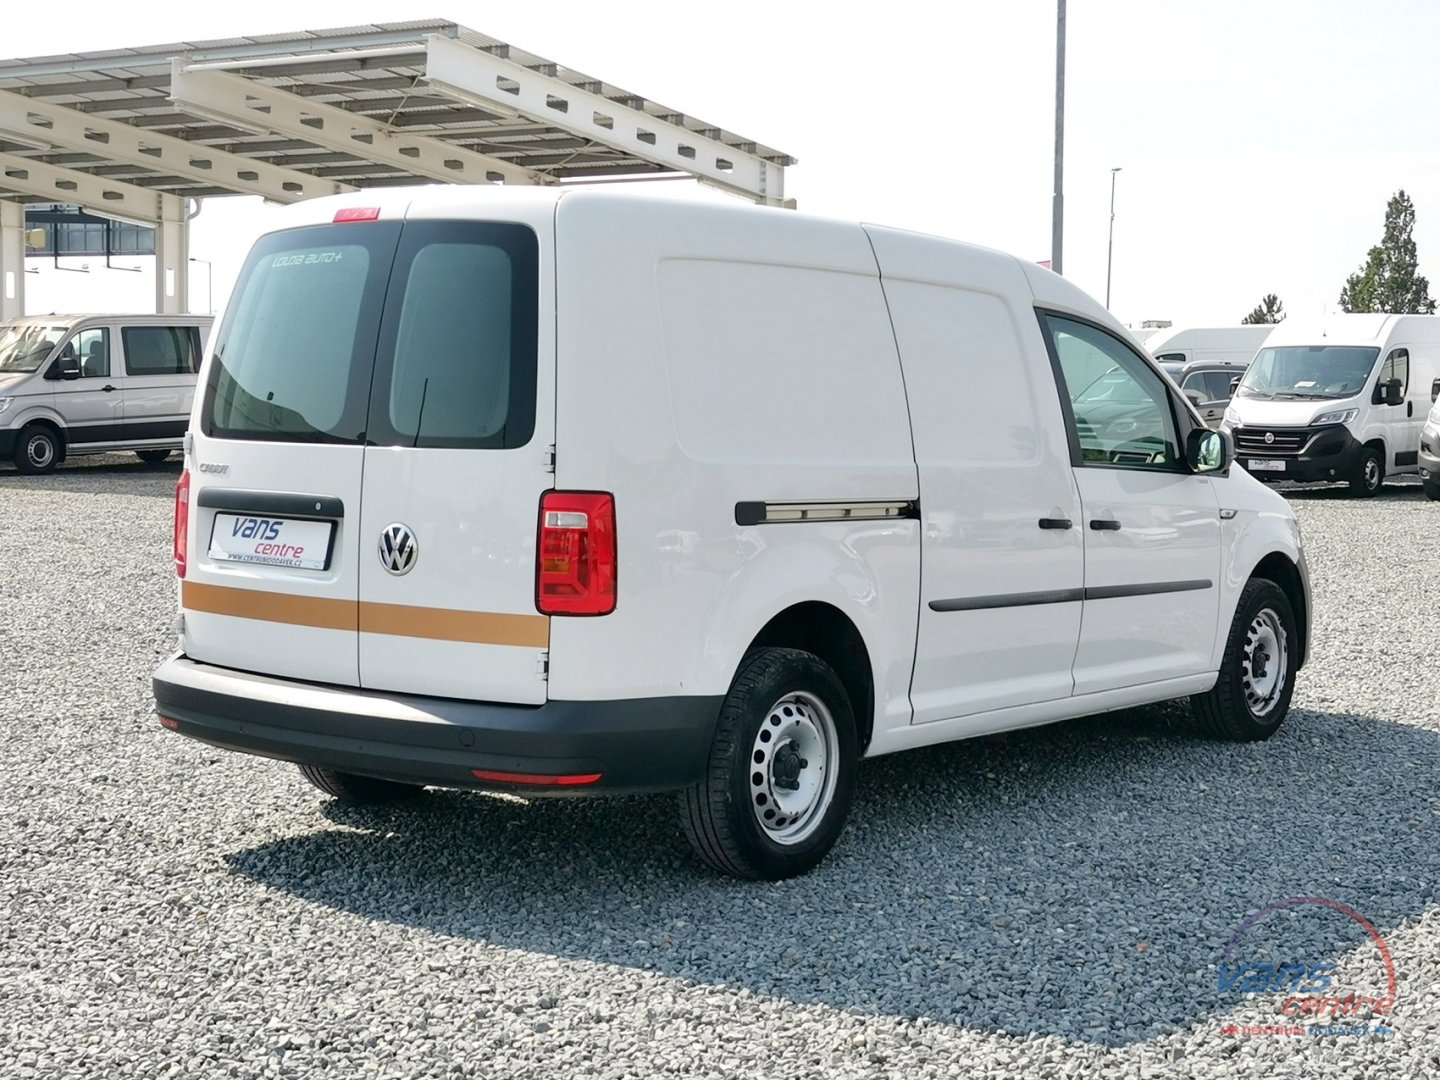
x,y
1278,567
823,630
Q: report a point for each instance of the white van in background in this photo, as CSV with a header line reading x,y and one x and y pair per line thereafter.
x,y
1341,399
565,491
1216,344
92,384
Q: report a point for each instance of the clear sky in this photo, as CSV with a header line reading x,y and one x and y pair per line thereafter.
x,y
1259,140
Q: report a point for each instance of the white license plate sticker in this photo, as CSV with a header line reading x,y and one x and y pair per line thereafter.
x,y
271,541
1265,465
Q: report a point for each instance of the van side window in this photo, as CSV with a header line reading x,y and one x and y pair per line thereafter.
x,y
91,350
1116,404
160,350
1197,380
1397,367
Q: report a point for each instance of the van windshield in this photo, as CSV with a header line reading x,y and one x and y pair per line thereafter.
x,y
1296,372
23,348
372,333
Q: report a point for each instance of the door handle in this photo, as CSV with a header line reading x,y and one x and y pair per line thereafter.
x,y
1409,408
1055,523
107,388
1105,525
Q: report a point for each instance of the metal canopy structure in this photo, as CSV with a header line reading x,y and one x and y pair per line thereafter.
x,y
136,133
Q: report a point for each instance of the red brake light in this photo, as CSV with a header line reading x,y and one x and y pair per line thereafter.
x,y
182,521
575,554
535,779
357,213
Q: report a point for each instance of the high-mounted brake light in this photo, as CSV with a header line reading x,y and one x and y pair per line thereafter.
x,y
575,554
182,521
357,213
535,779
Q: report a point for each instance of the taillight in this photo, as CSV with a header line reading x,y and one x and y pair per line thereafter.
x,y
182,521
357,213
575,554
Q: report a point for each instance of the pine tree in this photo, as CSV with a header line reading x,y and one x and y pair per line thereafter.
x,y
1269,310
1389,282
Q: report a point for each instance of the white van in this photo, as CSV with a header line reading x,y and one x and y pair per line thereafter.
x,y
568,492
92,384
1214,344
1342,399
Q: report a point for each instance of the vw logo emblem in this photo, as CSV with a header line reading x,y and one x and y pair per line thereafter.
x,y
1269,436
398,549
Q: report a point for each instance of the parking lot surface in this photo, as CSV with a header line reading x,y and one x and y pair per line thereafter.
x,y
1059,902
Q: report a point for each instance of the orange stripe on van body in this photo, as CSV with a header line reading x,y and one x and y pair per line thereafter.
x,y
447,624
270,606
399,620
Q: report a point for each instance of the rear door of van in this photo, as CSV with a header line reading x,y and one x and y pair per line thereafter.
x,y
372,402
271,581
457,457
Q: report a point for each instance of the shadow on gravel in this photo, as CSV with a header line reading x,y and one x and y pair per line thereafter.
x,y
1406,489
97,475
1080,880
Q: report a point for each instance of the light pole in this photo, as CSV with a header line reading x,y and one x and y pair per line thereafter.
x,y
1057,211
1110,254
209,284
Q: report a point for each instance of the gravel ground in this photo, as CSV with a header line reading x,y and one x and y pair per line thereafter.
x,y
1052,903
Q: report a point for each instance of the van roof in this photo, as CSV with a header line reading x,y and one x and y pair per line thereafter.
x,y
1355,329
71,318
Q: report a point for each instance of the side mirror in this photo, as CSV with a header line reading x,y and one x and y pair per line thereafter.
x,y
1394,395
1208,451
1235,383
66,367
1194,396
1435,390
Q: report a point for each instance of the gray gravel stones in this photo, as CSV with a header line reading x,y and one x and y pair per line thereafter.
x,y
1050,903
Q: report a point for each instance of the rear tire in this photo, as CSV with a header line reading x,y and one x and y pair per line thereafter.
x,y
1369,474
1432,490
358,790
152,457
1251,697
37,451
781,774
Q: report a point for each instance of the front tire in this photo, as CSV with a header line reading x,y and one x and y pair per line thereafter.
x,y
358,790
1369,474
152,457
1251,697
781,774
38,450
1432,490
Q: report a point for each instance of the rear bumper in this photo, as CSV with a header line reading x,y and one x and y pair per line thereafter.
x,y
1326,453
645,744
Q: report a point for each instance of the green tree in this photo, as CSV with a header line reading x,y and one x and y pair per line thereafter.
x,y
1388,282
1269,310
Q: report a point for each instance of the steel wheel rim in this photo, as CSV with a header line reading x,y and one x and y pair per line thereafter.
x,y
789,799
1372,473
39,451
1267,662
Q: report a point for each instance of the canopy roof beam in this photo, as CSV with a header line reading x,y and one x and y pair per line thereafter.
x,y
112,198
491,82
254,106
44,124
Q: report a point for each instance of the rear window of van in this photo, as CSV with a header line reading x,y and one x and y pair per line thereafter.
x,y
422,336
